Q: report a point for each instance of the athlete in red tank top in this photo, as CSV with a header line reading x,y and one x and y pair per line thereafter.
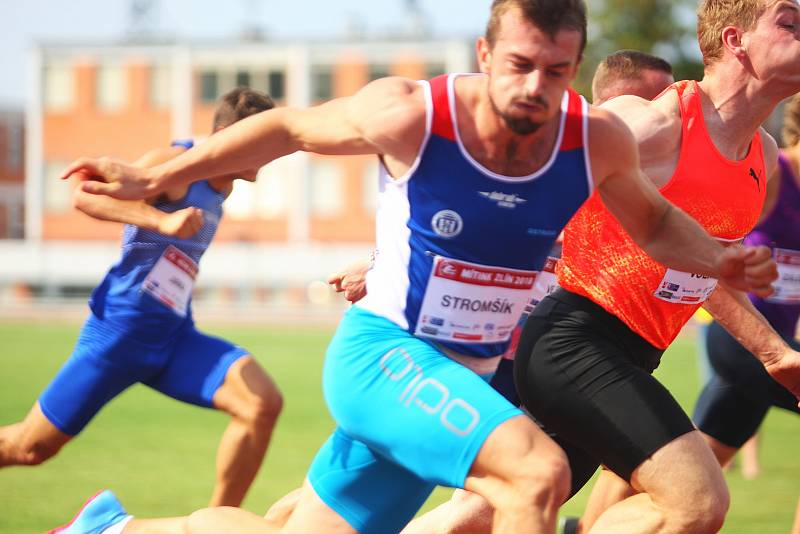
x,y
600,260
586,353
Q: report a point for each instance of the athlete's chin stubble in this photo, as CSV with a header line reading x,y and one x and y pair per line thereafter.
x,y
518,125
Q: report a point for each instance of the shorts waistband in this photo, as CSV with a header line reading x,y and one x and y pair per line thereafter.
x,y
642,351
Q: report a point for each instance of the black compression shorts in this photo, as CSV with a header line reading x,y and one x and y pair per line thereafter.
x,y
738,396
586,378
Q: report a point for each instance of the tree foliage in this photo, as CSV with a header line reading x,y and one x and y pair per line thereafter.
x,y
665,28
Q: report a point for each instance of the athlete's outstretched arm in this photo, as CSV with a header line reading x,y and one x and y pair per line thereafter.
x,y
665,232
182,223
734,311
386,117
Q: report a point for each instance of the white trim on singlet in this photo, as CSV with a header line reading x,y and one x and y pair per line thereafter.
x,y
586,157
451,95
388,280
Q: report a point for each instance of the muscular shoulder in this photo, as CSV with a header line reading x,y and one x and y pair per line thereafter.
x,y
390,111
611,144
655,125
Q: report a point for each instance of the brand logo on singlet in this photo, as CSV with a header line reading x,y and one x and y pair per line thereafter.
x,y
502,199
447,223
755,177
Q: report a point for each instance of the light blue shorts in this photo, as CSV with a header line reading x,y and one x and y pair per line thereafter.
x,y
409,418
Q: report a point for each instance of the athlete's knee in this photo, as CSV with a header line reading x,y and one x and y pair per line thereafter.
x,y
540,475
706,512
542,479
262,409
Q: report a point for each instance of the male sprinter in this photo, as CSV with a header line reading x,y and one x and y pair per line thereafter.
x,y
141,330
618,310
623,72
480,174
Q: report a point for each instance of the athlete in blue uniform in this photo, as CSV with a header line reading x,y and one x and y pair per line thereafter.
x,y
480,174
141,329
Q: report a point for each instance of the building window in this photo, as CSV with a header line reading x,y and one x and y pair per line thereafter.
x,y
57,193
378,71
14,145
243,79
112,87
160,86
209,87
276,83
322,83
59,87
327,185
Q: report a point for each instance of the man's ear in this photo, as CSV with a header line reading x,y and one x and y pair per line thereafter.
x,y
484,53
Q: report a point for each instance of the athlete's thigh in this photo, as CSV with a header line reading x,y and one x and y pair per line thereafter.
x,y
683,471
103,364
350,487
584,388
196,367
227,519
407,401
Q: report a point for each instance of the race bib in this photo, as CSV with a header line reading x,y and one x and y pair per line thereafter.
x,y
171,280
467,302
546,281
787,286
685,288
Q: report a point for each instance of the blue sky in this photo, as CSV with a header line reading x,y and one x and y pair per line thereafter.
x,y
24,22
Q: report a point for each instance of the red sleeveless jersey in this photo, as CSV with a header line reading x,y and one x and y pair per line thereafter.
x,y
601,262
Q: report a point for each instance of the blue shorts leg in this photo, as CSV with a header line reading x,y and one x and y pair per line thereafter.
x,y
409,405
196,367
104,363
374,495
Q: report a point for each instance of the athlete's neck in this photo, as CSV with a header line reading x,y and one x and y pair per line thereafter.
x,y
735,104
489,140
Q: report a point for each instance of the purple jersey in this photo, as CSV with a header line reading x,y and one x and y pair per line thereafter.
x,y
780,232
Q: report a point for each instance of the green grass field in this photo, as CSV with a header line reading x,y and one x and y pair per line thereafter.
x,y
158,454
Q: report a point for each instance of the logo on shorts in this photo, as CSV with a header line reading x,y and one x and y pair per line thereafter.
x,y
447,223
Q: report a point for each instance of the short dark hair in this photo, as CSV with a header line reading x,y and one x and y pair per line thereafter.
x,y
626,65
550,16
238,104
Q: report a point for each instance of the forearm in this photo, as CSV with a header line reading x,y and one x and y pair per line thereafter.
x,y
135,212
734,311
679,242
247,144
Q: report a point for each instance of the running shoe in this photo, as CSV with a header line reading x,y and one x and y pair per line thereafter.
x,y
97,514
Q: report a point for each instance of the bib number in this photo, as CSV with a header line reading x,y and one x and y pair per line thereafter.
x,y
471,303
787,286
685,288
171,280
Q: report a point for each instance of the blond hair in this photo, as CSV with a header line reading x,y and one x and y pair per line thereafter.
x,y
791,122
714,15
